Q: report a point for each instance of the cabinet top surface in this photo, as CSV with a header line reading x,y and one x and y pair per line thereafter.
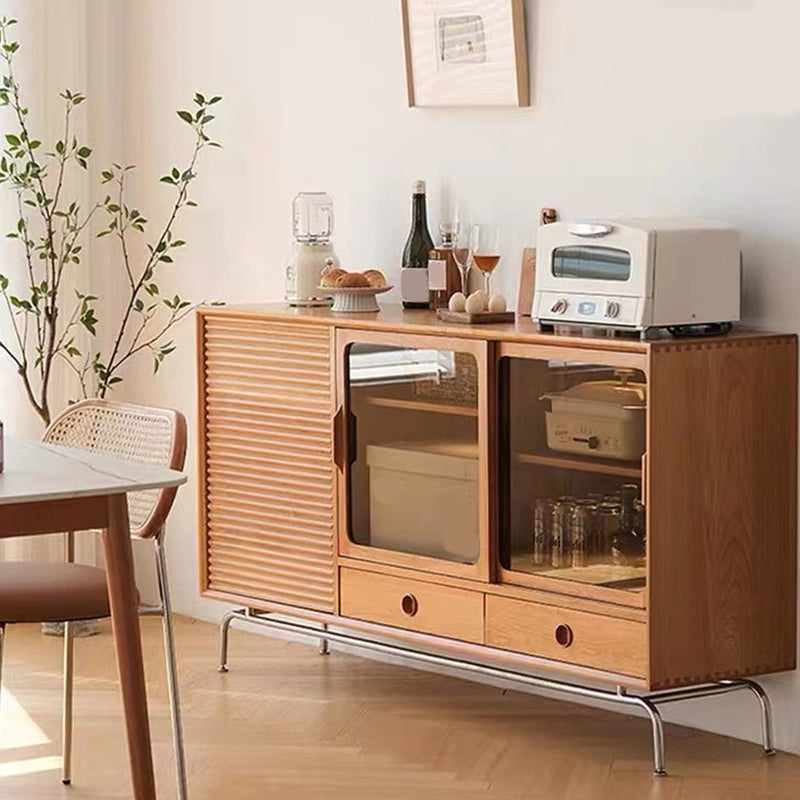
x,y
393,317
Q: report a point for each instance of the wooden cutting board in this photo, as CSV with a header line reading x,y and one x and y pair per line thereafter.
x,y
475,319
527,274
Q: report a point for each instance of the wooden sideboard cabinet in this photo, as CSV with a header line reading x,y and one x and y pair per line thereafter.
x,y
409,480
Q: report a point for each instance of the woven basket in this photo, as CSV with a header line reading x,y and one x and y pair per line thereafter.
x,y
459,389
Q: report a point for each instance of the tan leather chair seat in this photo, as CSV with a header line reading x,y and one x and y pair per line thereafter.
x,y
44,592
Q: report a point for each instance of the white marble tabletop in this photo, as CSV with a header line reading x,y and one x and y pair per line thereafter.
x,y
34,471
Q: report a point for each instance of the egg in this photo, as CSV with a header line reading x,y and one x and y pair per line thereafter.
x,y
457,302
497,304
476,303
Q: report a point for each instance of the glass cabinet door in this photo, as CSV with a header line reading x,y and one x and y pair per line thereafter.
x,y
572,442
412,473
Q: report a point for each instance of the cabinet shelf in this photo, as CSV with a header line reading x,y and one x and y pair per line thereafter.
x,y
605,466
421,405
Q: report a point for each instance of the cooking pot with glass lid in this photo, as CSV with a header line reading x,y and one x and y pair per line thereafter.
x,y
600,418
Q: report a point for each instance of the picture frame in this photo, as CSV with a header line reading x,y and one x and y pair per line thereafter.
x,y
466,53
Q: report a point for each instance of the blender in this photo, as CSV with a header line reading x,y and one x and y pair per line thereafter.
x,y
312,252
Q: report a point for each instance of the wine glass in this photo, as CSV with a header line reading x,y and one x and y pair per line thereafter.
x,y
462,255
485,246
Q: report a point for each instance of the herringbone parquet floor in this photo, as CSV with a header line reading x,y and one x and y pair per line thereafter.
x,y
288,724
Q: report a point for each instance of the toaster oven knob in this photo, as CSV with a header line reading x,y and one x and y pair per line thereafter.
x,y
559,307
612,309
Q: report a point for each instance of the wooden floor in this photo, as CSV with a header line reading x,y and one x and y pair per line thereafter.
x,y
288,724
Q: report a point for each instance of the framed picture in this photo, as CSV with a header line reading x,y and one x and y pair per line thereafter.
x,y
466,52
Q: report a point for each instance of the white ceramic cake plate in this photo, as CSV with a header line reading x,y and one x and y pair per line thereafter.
x,y
355,299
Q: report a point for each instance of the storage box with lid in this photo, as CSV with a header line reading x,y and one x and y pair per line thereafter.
x,y
423,498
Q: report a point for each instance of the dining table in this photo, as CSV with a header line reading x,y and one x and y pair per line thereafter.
x,y
48,488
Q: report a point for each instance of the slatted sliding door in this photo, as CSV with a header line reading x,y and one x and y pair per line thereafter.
x,y
267,494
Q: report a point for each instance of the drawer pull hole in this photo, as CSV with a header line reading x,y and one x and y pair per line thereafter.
x,y
564,635
409,605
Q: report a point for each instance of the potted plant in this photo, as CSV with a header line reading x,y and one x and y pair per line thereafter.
x,y
53,324
49,323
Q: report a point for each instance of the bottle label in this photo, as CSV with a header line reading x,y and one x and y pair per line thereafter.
x,y
437,275
414,285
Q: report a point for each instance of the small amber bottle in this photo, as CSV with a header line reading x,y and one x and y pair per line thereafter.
x,y
444,279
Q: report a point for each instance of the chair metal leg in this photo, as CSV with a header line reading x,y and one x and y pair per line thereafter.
x,y
224,627
2,640
66,718
172,670
69,661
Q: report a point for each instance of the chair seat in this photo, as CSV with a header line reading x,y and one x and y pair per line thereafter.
x,y
33,591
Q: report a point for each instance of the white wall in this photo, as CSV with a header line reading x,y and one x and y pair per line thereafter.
x,y
639,107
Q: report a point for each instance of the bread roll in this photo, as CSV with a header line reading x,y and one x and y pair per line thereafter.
x,y
375,278
352,280
329,278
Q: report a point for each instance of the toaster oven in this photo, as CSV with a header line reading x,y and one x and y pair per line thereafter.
x,y
638,274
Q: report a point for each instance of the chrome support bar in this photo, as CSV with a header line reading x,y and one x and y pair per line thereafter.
x,y
324,645
647,702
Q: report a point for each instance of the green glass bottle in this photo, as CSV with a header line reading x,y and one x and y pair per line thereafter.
x,y
414,274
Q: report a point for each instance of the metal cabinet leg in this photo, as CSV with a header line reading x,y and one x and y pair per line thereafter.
x,y
324,645
659,762
766,713
224,626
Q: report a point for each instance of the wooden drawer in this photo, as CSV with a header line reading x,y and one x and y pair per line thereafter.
x,y
606,643
412,604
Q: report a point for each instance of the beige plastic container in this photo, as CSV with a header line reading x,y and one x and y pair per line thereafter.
x,y
423,499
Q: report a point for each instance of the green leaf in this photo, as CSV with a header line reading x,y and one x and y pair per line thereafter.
x,y
214,99
186,116
60,147
107,175
84,152
13,140
167,259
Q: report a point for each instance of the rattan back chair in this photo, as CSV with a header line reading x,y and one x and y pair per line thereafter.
x,y
67,592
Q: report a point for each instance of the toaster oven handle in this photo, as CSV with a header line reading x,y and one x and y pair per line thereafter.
x,y
590,230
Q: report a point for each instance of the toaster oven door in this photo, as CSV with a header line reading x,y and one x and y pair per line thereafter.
x,y
616,263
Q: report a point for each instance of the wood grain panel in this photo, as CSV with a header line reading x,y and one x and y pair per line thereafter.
x,y
442,610
267,468
722,511
593,641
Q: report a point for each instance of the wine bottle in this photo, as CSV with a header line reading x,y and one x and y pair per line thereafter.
x,y
414,274
444,279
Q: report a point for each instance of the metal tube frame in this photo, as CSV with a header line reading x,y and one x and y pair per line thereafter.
x,y
165,612
649,703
